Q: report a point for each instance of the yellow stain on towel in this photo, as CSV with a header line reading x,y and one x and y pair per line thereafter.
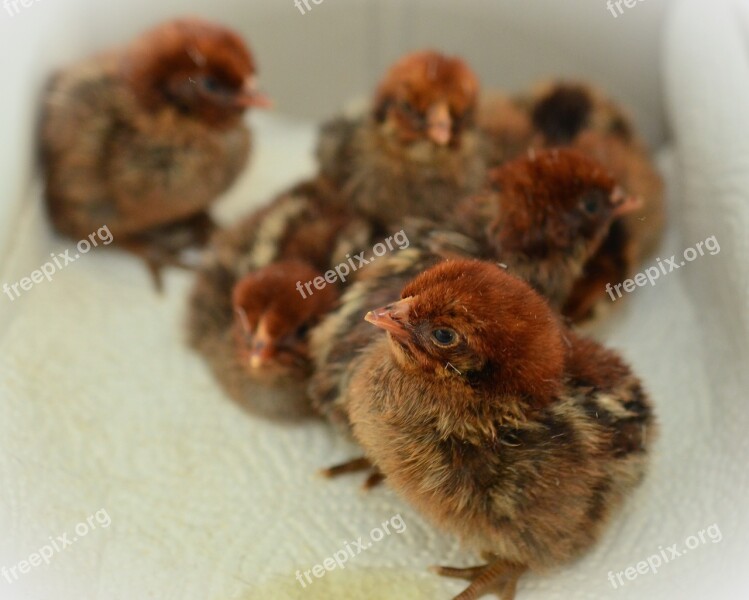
x,y
352,584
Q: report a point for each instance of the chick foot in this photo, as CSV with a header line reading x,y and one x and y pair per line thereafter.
x,y
353,466
500,576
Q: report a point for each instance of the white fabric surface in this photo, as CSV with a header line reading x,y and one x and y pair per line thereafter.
x,y
102,406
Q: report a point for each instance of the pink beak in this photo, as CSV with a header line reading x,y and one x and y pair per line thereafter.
x,y
625,204
393,318
261,354
250,96
439,124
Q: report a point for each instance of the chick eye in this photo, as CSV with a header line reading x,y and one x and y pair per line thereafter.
x,y
211,84
444,337
590,204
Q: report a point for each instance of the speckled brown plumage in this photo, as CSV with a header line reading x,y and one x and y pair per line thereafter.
x,y
542,217
147,135
417,151
301,231
559,114
339,338
511,432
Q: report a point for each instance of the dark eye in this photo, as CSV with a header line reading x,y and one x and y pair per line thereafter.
x,y
444,337
591,204
302,330
211,84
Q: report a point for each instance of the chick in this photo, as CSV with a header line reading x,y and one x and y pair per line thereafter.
x,y
254,336
417,150
147,136
559,114
270,325
246,315
542,218
545,215
496,422
261,360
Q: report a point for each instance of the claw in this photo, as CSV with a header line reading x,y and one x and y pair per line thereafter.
x,y
499,575
353,466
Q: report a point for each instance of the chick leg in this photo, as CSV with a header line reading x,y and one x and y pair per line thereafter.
x,y
353,466
162,247
155,257
499,575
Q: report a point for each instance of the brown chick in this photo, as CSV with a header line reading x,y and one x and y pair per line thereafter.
x,y
497,423
270,325
559,114
265,355
148,136
257,266
543,217
417,151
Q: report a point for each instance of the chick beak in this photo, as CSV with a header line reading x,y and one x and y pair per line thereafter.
x,y
623,203
261,355
439,124
262,348
250,96
393,318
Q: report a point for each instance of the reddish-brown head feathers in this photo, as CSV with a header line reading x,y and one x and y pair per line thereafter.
x,y
473,321
426,95
271,318
591,365
201,68
553,199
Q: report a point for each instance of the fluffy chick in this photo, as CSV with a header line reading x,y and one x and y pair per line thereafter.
x,y
270,325
148,135
264,357
543,216
496,422
559,114
417,150
255,266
